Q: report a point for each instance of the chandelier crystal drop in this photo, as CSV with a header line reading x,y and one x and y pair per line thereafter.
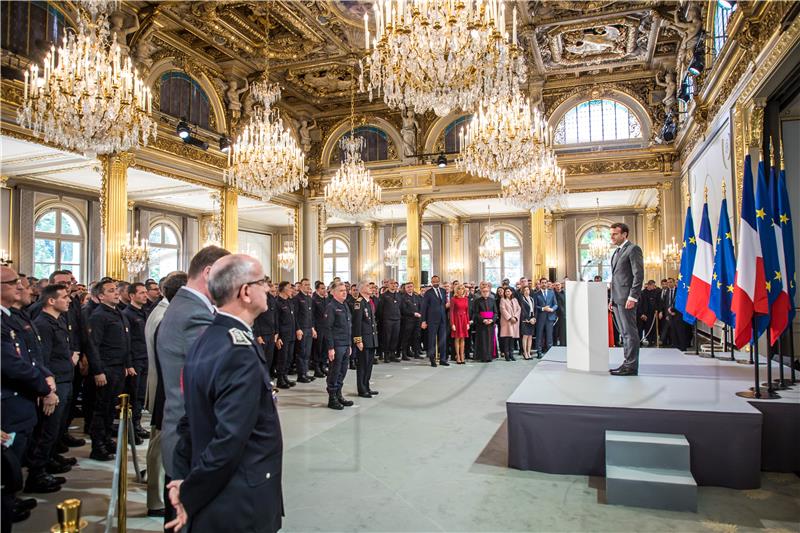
x,y
352,193
87,96
265,160
441,55
504,140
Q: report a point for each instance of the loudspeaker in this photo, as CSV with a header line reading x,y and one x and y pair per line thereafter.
x,y
424,277
552,274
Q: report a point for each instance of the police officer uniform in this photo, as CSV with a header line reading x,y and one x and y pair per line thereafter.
x,y
109,354
338,337
287,326
410,325
365,330
137,385
230,447
319,358
304,314
265,328
389,314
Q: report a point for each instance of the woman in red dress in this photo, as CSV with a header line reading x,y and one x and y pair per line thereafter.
x,y
459,321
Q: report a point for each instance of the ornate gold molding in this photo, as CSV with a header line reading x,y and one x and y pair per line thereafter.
x,y
651,164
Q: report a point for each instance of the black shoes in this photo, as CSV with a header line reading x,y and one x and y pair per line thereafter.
x,y
364,395
54,467
60,447
141,432
71,461
433,364
405,358
625,371
101,454
304,379
444,363
28,504
319,374
42,483
538,355
333,402
342,400
72,442
284,383
156,512
373,392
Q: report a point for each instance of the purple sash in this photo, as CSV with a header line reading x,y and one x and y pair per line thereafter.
x,y
487,315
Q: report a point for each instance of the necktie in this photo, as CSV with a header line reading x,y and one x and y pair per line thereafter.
x,y
438,294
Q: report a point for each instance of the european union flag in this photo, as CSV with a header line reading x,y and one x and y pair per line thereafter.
x,y
766,234
784,216
687,267
722,279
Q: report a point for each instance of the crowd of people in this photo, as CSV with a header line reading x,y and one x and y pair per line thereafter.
x,y
69,351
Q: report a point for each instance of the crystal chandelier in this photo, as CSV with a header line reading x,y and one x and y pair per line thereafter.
x,y
213,224
599,248
672,254
441,55
135,253
391,255
352,193
543,189
287,256
504,140
490,249
87,96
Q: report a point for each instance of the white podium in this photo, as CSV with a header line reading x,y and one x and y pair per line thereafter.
x,y
587,326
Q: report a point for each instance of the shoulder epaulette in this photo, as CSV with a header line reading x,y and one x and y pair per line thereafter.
x,y
239,337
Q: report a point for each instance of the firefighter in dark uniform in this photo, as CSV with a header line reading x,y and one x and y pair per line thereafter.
x,y
136,384
318,356
389,320
647,312
304,314
109,363
287,331
410,323
365,339
265,329
338,340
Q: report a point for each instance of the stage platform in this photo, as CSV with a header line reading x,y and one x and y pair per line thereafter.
x,y
557,417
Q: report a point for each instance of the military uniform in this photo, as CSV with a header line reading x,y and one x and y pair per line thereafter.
x,y
266,328
410,325
109,354
389,320
648,306
365,330
319,358
304,314
287,326
338,337
230,447
137,385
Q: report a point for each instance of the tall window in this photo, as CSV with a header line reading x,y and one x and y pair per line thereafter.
x,y
376,144
425,258
182,97
722,14
164,250
451,133
587,267
58,243
335,260
597,121
29,28
509,264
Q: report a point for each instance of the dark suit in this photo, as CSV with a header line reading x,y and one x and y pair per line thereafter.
x,y
230,446
409,328
560,327
388,313
627,277
545,319
434,314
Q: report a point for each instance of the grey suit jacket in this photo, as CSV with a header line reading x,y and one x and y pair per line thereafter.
x,y
184,321
627,273
156,315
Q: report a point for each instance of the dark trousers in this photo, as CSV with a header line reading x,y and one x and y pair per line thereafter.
x,y
105,406
318,355
544,334
437,339
390,338
629,333
284,353
560,331
364,368
338,369
409,337
269,352
48,430
506,346
304,352
88,394
135,387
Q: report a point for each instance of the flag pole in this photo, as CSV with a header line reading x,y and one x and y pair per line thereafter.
x,y
696,344
733,344
712,342
791,352
754,392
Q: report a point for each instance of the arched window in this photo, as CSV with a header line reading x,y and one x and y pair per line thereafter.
x,y
722,14
587,267
451,133
425,258
165,250
182,97
335,260
597,121
29,28
376,144
58,243
509,263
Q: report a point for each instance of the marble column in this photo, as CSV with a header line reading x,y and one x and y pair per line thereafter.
x,y
310,245
229,206
538,245
652,249
411,202
114,211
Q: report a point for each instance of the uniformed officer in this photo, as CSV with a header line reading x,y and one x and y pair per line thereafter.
x,y
365,339
230,449
265,328
318,357
136,384
338,339
389,320
306,332
109,363
410,323
287,332
23,382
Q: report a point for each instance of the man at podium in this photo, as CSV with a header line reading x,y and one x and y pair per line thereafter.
x,y
627,276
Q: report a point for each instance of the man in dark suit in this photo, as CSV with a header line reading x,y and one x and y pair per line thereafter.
x,y
230,446
389,320
434,321
560,327
627,277
189,313
411,317
546,307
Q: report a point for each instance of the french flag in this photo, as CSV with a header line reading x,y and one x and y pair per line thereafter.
x,y
750,290
700,287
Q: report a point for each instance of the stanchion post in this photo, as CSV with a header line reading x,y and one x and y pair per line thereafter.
x,y
122,449
68,513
